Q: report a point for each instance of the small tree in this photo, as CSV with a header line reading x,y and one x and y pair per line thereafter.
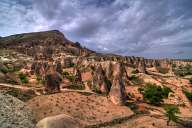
x,y
170,113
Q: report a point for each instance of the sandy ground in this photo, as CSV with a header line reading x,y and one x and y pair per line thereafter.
x,y
90,108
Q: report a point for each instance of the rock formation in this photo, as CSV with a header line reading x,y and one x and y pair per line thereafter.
x,y
117,92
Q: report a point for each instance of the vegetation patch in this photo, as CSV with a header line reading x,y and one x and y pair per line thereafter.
x,y
183,70
22,95
96,89
77,86
188,94
39,79
108,83
71,65
170,113
23,78
190,81
5,69
154,94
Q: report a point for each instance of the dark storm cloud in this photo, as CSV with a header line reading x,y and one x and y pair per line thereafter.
x,y
151,28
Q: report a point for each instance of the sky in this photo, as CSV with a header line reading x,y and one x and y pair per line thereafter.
x,y
147,28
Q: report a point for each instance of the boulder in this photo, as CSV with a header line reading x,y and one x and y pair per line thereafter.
x,y
58,121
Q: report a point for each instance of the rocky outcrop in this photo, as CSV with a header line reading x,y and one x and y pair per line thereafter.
x,y
99,83
52,80
14,114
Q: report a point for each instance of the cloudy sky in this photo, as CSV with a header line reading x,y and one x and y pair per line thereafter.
x,y
149,28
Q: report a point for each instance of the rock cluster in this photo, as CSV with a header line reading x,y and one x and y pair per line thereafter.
x,y
14,114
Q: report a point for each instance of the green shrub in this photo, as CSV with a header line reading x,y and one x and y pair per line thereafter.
x,y
166,91
188,94
71,65
171,111
5,69
154,94
23,78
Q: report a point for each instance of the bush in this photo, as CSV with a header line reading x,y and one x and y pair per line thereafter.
x,y
5,69
190,81
171,111
154,94
166,91
188,94
71,65
23,78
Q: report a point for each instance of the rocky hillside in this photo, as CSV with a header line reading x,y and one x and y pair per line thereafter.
x,y
47,62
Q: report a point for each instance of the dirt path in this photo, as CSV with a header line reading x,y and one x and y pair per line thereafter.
x,y
35,89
